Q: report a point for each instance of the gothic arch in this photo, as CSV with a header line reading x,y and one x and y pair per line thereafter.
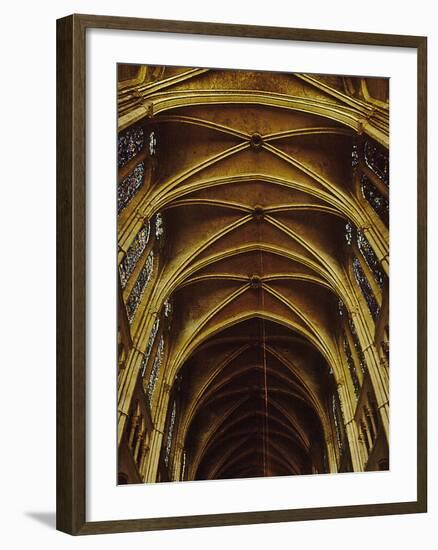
x,y
253,274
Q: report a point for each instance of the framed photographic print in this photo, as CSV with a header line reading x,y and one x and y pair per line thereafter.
x,y
241,274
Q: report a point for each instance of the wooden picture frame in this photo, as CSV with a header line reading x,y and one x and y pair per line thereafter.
x,y
71,274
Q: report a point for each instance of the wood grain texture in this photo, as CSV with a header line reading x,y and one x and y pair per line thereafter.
x,y
71,232
71,270
422,276
247,31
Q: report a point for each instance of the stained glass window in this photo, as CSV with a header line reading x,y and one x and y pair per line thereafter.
x,y
170,433
152,143
167,308
353,234
341,308
354,156
337,420
370,257
127,265
349,232
357,345
155,369
377,160
365,287
150,345
159,225
342,312
129,186
378,202
129,144
140,286
351,366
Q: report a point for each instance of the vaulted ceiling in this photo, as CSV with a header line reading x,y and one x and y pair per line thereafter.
x,y
253,178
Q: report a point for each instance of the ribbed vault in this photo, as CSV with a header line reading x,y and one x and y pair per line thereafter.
x,y
232,362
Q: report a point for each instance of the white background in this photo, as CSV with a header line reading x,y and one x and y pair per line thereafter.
x,y
28,275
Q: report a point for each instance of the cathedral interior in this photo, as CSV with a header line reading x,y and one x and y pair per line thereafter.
x,y
253,274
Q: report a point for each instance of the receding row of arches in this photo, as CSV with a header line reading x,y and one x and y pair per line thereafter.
x,y
253,273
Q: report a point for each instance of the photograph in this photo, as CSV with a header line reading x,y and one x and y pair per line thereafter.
x,y
252,274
